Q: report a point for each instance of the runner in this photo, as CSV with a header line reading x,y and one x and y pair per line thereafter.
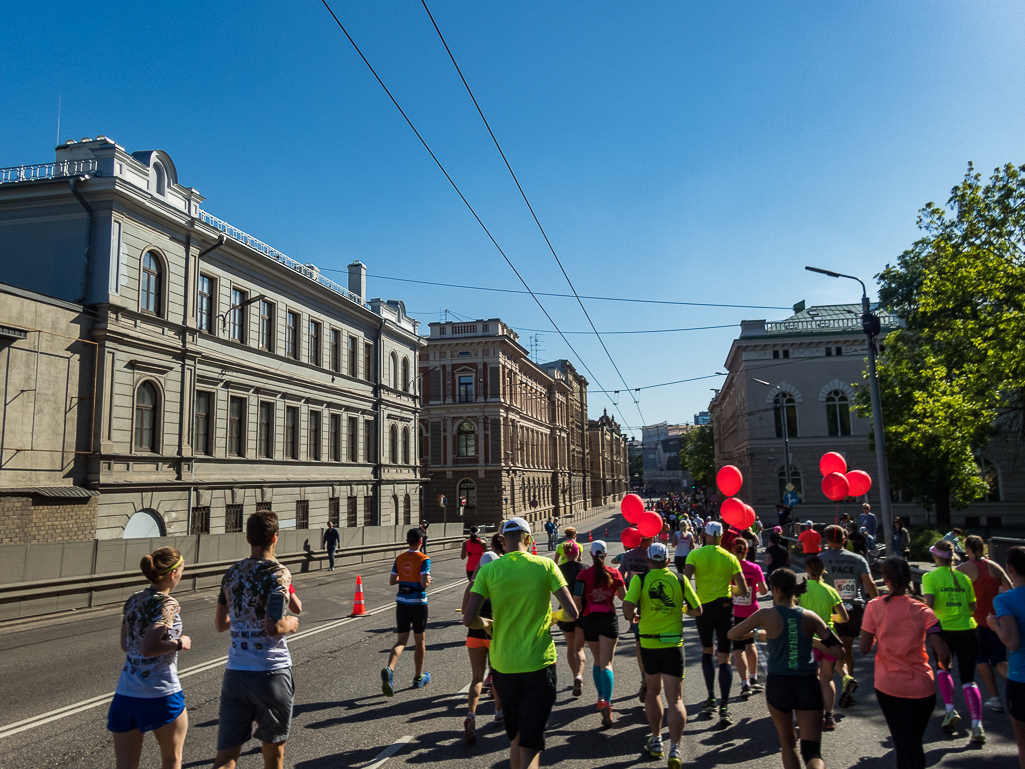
x,y
149,697
662,598
683,543
826,603
988,579
776,556
595,594
523,654
792,684
477,644
633,563
713,571
473,549
1008,622
571,536
951,596
572,631
811,540
745,656
900,628
258,684
412,573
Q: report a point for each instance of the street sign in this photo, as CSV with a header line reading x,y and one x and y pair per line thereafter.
x,y
790,487
790,499
533,503
441,500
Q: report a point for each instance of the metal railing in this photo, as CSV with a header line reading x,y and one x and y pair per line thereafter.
x,y
307,271
827,324
55,170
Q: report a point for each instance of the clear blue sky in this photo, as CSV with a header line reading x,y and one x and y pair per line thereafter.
x,y
674,151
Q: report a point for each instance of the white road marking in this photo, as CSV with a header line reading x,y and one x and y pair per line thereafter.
x,y
94,702
388,752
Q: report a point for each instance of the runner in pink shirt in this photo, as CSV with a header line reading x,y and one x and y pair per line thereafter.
x,y
745,656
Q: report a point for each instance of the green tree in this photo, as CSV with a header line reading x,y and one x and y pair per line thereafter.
x,y
697,454
954,376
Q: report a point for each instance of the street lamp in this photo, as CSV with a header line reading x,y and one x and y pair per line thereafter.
x,y
786,430
871,326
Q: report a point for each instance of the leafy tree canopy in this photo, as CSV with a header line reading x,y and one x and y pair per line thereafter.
x,y
697,454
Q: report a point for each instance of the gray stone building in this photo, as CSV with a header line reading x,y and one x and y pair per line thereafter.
x,y
609,459
202,374
578,472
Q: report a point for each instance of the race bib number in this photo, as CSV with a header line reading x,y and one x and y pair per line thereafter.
x,y
847,588
742,600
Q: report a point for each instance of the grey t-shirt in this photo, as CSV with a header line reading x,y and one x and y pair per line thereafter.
x,y
843,572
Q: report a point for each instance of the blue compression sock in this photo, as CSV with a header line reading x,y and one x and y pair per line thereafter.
x,y
606,685
596,675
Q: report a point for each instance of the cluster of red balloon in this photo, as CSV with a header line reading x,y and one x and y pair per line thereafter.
x,y
643,523
837,482
733,511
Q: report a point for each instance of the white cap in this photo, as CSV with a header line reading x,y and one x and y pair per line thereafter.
x,y
713,529
808,523
658,552
515,524
489,556
598,547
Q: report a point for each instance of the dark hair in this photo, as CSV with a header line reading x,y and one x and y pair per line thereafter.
x,y
740,546
835,534
897,571
974,543
786,582
814,566
601,571
159,563
774,539
473,535
413,536
498,543
1016,560
261,528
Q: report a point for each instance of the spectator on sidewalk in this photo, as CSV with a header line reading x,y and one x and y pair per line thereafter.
x,y
867,519
331,543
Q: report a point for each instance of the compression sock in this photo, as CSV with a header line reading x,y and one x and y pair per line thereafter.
x,y
973,697
725,681
596,676
708,670
946,688
607,680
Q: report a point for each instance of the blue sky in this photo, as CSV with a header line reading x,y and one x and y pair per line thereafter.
x,y
694,152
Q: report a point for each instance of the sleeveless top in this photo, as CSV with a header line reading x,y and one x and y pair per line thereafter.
x,y
986,588
791,653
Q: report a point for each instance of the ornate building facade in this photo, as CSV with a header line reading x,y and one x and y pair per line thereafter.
x,y
609,460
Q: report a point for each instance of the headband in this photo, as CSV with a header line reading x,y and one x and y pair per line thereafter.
x,y
179,562
940,553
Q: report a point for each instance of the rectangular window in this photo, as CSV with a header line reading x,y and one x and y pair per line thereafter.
x,y
200,520
334,511
261,506
237,325
829,351
237,427
353,427
352,357
775,353
335,438
292,335
466,389
315,335
786,353
336,351
265,433
313,433
205,304
368,511
266,325
202,443
233,518
839,351
369,442
350,517
302,514
291,432
368,362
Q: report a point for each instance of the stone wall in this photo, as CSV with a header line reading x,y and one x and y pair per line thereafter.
x,y
27,520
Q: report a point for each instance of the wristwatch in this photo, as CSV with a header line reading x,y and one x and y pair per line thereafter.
x,y
179,642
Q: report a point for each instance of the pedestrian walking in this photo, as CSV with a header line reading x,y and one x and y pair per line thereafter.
x,y
1008,622
331,539
424,526
149,697
988,579
656,602
572,631
412,573
523,655
901,628
258,685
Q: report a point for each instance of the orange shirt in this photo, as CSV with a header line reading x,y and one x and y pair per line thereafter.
x,y
902,664
811,541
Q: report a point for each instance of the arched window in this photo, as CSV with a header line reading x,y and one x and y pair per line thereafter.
x,y
151,283
393,447
795,481
785,407
395,507
159,180
407,511
405,446
992,478
394,371
468,490
146,422
144,524
838,413
466,437
405,375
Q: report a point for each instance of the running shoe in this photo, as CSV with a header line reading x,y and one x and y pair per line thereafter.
x,y
995,704
387,682
643,691
710,706
745,690
725,717
578,687
978,735
756,685
499,717
469,730
951,721
675,762
606,714
846,698
654,747
828,723
421,681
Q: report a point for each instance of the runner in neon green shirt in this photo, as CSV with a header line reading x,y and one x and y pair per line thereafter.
x,y
825,601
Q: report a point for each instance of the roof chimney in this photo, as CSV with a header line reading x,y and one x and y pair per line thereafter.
x,y
358,279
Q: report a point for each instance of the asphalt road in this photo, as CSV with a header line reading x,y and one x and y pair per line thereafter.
x,y
56,676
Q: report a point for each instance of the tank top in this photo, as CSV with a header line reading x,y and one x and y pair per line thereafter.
x,y
986,588
790,654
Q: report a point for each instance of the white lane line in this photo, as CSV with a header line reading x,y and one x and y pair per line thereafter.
x,y
388,752
461,693
94,702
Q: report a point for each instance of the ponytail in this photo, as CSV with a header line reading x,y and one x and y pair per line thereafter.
x,y
602,576
160,563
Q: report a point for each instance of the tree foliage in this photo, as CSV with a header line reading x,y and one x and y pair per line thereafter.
x,y
697,454
955,375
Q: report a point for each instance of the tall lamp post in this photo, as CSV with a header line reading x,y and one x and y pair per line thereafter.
x,y
871,326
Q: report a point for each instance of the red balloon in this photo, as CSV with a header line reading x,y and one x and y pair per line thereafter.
x,y
859,482
832,462
632,507
650,524
834,486
748,519
630,538
732,511
729,480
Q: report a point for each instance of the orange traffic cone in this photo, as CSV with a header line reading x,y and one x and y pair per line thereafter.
x,y
358,607
533,548
606,532
589,538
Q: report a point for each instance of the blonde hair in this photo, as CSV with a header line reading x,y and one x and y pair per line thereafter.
x,y
159,563
570,532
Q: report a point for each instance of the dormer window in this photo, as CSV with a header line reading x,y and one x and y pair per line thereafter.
x,y
159,180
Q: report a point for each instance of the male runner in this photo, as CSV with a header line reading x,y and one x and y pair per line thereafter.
x,y
632,563
412,573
